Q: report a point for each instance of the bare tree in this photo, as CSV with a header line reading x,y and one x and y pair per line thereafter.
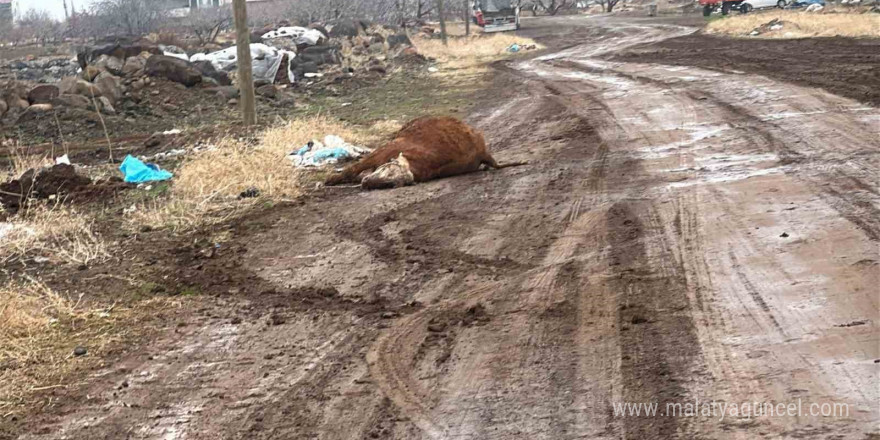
x,y
302,12
207,23
608,5
554,6
132,17
442,22
86,25
39,25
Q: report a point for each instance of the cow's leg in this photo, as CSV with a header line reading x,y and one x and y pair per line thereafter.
x,y
393,174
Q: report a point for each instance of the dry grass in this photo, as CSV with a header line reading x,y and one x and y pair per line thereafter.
x,y
470,52
21,160
800,24
206,185
56,233
39,329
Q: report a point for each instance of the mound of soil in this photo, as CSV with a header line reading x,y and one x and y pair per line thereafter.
x,y
58,180
843,66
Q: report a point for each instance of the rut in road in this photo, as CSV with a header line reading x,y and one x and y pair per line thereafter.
x,y
668,300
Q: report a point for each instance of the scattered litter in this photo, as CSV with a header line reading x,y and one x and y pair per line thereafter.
x,y
300,35
181,56
168,154
6,228
815,7
62,160
249,193
136,171
171,132
784,235
345,104
266,61
332,150
432,69
313,75
516,47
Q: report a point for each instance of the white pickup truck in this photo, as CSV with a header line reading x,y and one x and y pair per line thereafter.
x,y
496,15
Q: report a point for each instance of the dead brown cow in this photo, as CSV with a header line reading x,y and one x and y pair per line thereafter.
x,y
426,148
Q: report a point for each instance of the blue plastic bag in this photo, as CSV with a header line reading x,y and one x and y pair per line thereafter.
x,y
136,171
327,153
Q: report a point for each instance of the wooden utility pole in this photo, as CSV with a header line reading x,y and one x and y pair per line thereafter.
x,y
442,22
467,17
245,74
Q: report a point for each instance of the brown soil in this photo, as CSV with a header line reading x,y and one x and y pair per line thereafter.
x,y
59,181
843,66
670,241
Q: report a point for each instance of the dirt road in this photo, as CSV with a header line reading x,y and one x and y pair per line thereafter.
x,y
671,241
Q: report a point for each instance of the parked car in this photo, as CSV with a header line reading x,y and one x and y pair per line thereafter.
x,y
744,6
748,5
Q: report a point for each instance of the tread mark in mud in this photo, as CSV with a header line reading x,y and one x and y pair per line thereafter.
x,y
753,292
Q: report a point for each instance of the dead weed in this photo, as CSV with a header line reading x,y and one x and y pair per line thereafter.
x,y
472,52
54,232
799,24
40,329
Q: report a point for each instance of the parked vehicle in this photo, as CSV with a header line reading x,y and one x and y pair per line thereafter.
x,y
806,3
496,15
743,6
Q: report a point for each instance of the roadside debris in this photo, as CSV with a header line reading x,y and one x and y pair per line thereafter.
x,y
266,61
516,47
773,25
130,88
299,35
135,171
334,149
249,193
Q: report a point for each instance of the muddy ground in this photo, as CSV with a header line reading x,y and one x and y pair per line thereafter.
x,y
843,66
670,241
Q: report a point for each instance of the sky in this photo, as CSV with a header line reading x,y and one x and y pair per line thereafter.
x,y
54,7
